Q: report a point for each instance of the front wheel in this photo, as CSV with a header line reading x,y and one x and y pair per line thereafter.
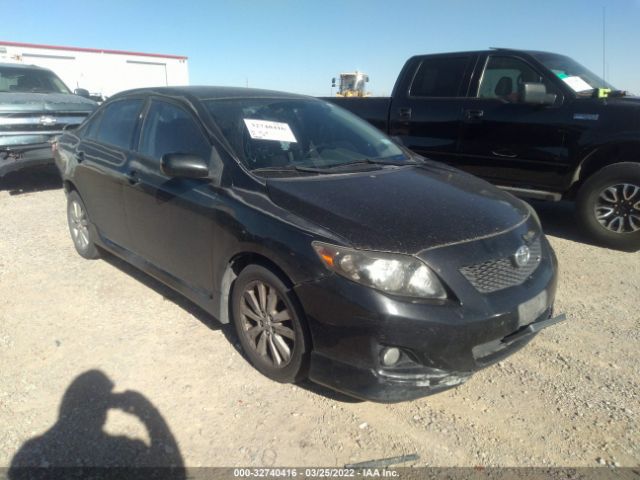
x,y
608,206
270,325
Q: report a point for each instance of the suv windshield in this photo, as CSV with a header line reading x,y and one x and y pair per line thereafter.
x,y
579,79
20,79
281,133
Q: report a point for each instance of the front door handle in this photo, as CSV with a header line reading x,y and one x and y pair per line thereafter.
x,y
473,115
404,113
132,177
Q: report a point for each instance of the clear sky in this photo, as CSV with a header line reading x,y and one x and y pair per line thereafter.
x,y
299,46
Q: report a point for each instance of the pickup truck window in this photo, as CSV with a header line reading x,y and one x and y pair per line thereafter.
x,y
30,80
439,77
170,129
272,133
504,77
118,123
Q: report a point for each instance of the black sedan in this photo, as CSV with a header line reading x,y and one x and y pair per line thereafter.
x,y
337,254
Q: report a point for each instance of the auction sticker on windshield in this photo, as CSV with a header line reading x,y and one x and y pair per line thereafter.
x,y
267,130
577,84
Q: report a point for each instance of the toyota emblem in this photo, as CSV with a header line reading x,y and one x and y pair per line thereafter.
x,y
522,256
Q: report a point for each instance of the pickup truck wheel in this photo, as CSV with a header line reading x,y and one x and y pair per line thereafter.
x,y
79,223
270,325
609,206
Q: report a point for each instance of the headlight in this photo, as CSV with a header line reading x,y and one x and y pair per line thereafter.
x,y
396,274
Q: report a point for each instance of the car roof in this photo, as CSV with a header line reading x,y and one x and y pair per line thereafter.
x,y
491,50
201,92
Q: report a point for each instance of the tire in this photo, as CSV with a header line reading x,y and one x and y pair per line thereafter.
x,y
267,331
79,227
608,206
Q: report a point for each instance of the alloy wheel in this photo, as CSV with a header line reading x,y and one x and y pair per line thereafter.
x,y
79,224
267,324
618,208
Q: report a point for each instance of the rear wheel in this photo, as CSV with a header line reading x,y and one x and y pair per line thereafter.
x,y
270,325
78,220
609,206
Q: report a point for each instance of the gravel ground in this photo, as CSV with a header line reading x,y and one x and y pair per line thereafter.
x,y
570,398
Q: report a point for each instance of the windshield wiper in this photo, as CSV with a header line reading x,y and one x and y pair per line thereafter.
x,y
336,166
288,168
372,161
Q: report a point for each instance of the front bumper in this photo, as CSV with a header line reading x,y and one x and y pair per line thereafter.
x,y
385,386
16,157
442,342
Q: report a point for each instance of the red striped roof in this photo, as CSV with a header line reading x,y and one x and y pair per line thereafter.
x,y
90,50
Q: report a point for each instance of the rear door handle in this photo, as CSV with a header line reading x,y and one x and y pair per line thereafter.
x,y
473,115
504,153
132,177
404,113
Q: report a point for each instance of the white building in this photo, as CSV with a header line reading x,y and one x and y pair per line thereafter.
x,y
102,72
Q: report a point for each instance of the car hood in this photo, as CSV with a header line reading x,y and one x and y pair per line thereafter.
x,y
405,210
14,102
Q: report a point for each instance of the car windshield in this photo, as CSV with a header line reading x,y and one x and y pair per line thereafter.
x,y
19,79
579,79
282,133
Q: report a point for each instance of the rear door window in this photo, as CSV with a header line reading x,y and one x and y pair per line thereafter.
x,y
440,77
169,128
117,123
90,129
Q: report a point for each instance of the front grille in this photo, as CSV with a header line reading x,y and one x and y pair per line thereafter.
x,y
40,121
494,275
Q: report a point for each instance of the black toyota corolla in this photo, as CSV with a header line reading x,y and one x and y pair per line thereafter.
x,y
337,254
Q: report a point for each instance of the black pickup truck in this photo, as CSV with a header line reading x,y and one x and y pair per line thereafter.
x,y
35,107
537,124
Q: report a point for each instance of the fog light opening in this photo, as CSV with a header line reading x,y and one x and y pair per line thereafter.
x,y
390,356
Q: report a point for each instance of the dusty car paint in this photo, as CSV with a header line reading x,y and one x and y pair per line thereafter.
x,y
196,236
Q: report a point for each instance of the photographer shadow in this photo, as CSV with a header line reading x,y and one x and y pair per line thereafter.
x,y
77,440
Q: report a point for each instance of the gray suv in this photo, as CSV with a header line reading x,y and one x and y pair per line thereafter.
x,y
35,107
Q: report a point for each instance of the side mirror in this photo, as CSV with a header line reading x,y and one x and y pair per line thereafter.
x,y
82,92
536,94
184,165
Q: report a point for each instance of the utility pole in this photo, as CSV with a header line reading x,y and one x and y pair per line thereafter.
x,y
604,73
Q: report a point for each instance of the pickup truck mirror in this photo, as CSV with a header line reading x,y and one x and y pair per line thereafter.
x,y
82,92
536,94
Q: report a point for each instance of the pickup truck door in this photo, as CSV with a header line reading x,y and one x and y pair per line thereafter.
x,y
509,142
170,219
101,158
426,107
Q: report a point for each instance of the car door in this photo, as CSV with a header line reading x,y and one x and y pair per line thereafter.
x,y
507,141
100,176
170,219
426,110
